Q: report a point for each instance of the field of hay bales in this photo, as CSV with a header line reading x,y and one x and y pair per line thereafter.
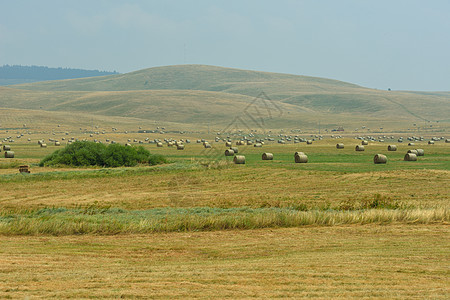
x,y
200,225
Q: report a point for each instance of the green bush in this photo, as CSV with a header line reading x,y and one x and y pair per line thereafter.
x,y
95,154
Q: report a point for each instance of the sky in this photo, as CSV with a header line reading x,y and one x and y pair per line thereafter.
x,y
397,44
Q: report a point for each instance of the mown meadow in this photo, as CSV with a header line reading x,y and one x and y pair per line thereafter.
x,y
338,226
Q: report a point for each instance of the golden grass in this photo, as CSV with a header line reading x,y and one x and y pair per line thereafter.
x,y
395,262
231,187
104,221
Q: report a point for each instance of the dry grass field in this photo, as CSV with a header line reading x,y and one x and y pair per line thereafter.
x,y
370,261
336,227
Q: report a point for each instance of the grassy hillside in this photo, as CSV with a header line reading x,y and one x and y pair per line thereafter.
x,y
194,77
197,94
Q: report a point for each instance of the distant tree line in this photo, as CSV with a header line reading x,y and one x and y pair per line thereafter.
x,y
39,73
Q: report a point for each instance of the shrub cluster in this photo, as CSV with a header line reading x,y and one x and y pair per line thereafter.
x,y
94,154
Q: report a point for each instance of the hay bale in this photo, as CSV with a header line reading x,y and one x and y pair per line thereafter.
x,y
249,143
430,142
159,144
207,145
239,159
413,151
9,154
379,159
365,143
302,158
43,145
57,144
420,152
229,152
359,148
392,148
299,153
228,144
258,145
309,142
267,156
340,146
410,157
235,150
180,146
6,147
24,169
410,144
447,140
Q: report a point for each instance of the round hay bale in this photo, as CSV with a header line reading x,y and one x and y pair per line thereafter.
x,y
359,148
9,154
249,143
447,140
206,145
365,143
392,148
239,159
235,150
412,151
308,142
43,145
267,156
228,144
430,142
258,145
6,147
180,147
379,159
410,144
340,146
229,152
420,152
303,159
299,153
57,144
410,157
159,144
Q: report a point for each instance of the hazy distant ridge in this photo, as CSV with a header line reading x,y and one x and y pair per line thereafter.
x,y
13,74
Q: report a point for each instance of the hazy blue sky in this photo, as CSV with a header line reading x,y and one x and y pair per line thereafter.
x,y
378,44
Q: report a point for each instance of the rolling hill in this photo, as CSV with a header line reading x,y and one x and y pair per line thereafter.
x,y
196,95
